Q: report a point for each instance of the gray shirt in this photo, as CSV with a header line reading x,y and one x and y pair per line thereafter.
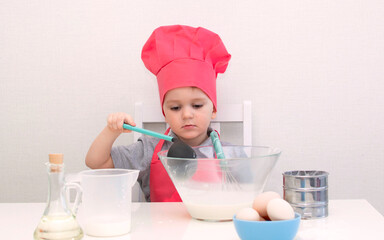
x,y
139,156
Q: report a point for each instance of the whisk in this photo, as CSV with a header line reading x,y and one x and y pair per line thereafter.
x,y
228,180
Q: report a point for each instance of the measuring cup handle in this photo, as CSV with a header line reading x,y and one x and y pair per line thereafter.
x,y
79,192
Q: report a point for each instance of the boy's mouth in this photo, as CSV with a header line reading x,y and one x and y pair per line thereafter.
x,y
189,126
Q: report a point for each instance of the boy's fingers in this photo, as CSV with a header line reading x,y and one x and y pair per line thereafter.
x,y
120,124
128,120
115,121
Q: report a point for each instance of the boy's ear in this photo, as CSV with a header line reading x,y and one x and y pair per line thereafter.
x,y
213,115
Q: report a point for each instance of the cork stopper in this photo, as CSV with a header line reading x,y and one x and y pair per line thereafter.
x,y
56,158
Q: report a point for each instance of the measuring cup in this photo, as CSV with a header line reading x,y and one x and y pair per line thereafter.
x,y
105,210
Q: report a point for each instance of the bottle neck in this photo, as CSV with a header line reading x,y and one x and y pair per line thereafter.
x,y
56,201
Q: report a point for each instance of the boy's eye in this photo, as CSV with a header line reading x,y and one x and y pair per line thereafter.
x,y
175,108
197,105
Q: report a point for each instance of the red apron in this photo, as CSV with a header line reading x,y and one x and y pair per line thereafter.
x,y
160,184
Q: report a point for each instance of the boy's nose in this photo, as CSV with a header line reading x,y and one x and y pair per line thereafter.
x,y
187,112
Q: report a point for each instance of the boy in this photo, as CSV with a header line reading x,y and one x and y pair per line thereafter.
x,y
186,62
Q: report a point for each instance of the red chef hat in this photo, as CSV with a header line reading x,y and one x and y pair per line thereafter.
x,y
183,56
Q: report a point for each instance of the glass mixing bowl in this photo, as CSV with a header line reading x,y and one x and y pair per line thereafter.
x,y
215,189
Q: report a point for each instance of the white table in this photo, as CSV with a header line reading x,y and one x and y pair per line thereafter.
x,y
348,219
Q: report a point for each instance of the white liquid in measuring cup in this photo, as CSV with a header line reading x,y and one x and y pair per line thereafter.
x,y
105,227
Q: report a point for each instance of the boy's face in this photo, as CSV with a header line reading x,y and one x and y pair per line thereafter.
x,y
188,111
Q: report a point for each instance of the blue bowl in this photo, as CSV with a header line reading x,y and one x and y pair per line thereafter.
x,y
267,230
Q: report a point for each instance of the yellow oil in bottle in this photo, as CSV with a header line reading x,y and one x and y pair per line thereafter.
x,y
58,227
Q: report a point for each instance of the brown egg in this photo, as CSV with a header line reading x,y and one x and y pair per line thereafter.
x,y
261,201
248,214
279,209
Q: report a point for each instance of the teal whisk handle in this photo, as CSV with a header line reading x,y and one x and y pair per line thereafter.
x,y
217,145
148,132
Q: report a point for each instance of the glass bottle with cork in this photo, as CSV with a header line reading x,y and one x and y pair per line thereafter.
x,y
58,221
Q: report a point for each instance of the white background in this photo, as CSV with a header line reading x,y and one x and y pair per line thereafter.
x,y
312,69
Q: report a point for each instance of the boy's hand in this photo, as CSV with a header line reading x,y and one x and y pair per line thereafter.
x,y
115,122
